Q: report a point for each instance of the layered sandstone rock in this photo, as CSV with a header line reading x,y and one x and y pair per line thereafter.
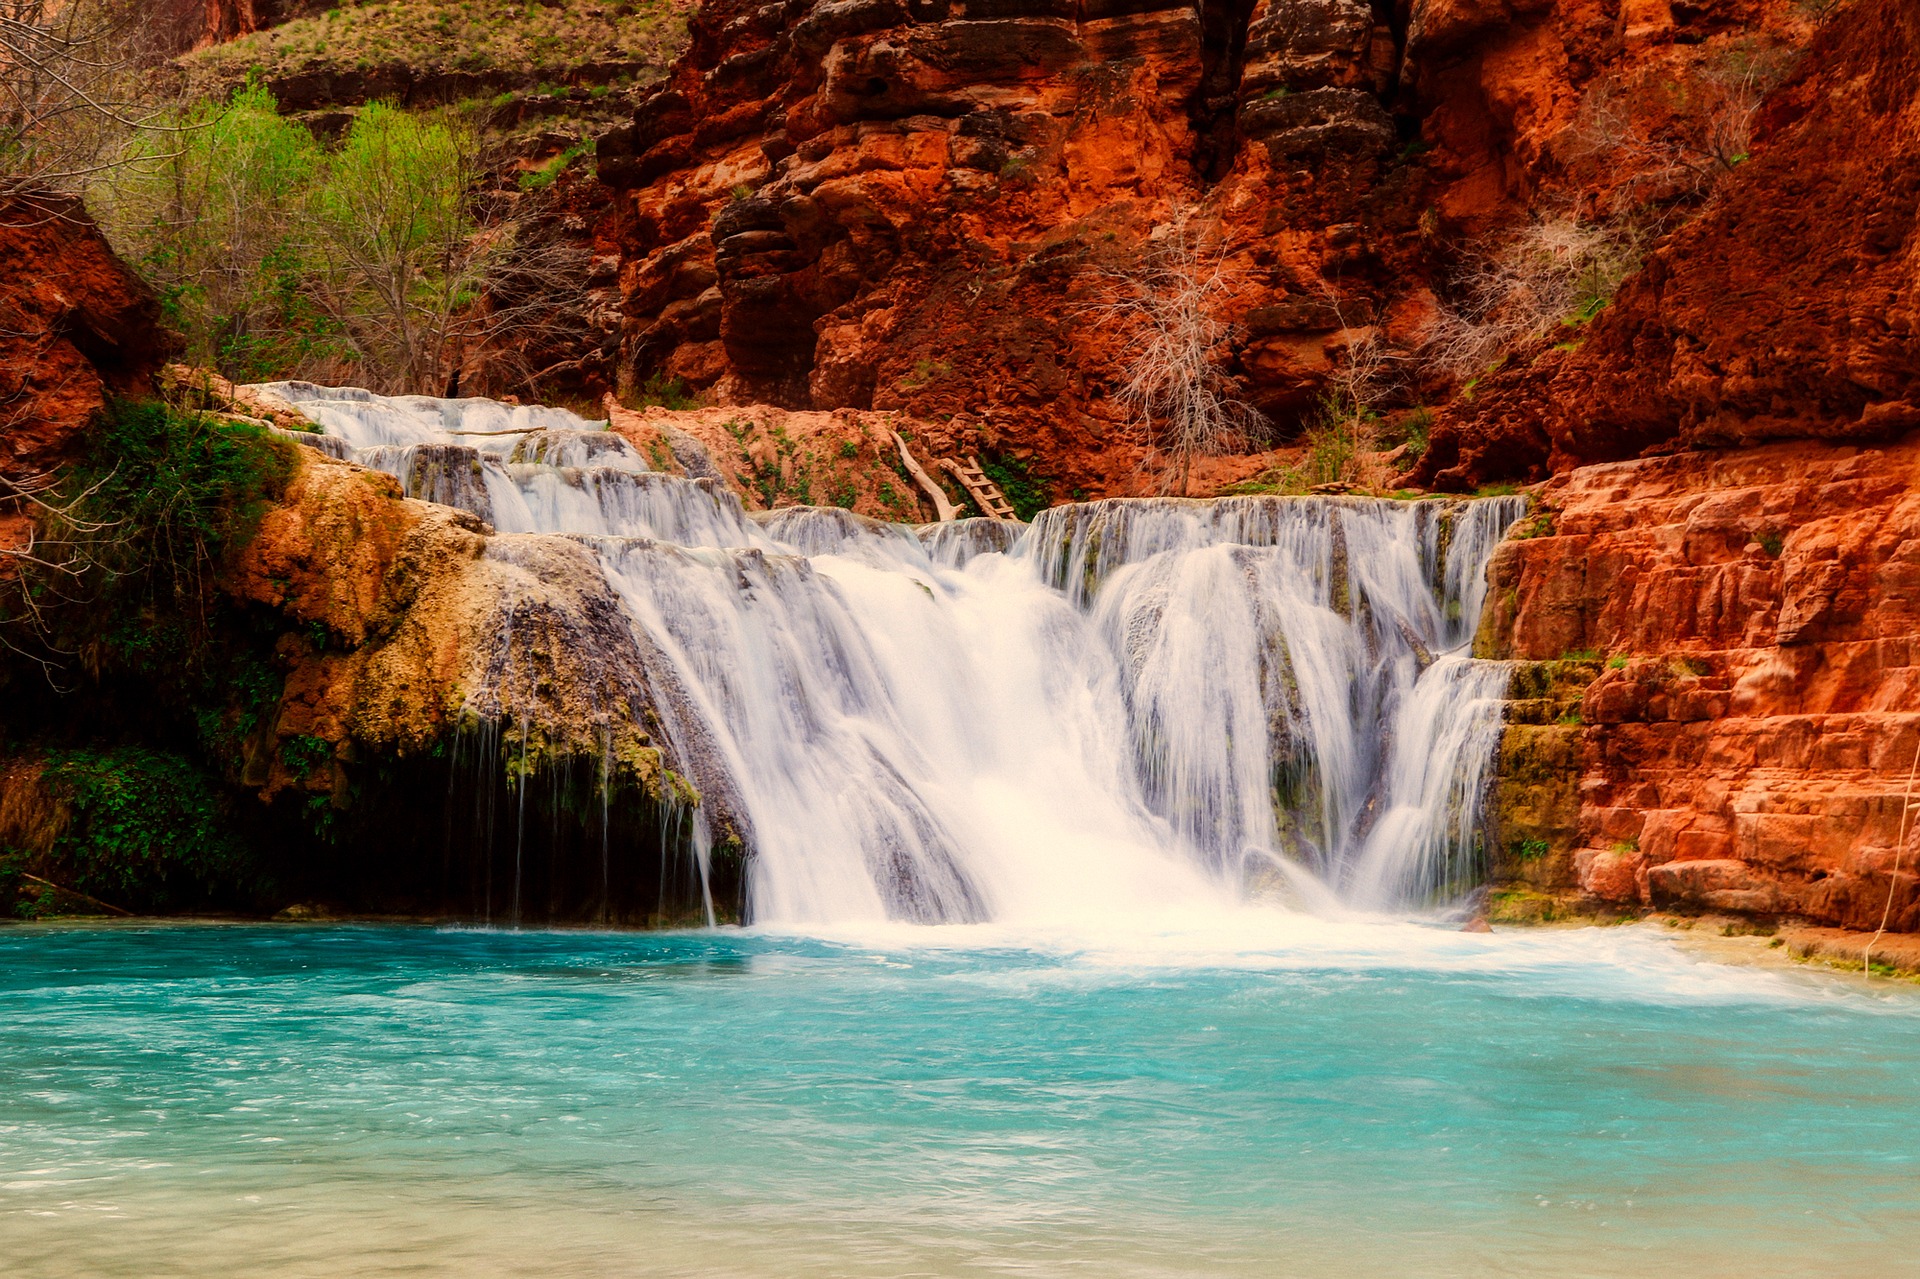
x,y
914,205
1749,622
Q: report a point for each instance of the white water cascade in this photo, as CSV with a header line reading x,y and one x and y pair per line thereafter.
x,y
1130,704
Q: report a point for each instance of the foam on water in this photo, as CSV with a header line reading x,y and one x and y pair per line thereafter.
x,y
1130,708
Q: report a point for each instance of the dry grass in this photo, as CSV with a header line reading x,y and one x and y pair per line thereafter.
x,y
1554,272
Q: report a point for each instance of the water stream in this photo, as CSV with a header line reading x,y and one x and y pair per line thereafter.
x,y
1128,706
1109,740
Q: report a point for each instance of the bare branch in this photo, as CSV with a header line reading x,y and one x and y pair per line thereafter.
x,y
1170,303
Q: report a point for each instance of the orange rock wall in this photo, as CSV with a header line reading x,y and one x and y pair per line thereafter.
x,y
1788,308
1753,617
76,325
917,204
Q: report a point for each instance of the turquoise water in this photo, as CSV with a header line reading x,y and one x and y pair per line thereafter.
x,y
1269,1097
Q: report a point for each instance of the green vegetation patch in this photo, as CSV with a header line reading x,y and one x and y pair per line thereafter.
x,y
538,179
133,540
147,830
529,43
175,491
215,217
1027,493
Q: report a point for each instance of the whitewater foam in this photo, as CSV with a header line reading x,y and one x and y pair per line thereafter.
x,y
1131,704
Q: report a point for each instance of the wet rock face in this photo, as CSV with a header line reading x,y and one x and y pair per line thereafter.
x,y
1752,620
431,625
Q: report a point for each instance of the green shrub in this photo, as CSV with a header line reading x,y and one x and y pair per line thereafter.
x,y
544,176
1417,426
141,523
304,754
1027,493
667,392
212,211
148,830
188,486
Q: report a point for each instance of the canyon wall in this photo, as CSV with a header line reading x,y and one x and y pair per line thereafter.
x,y
1718,710
839,216
930,205
1789,307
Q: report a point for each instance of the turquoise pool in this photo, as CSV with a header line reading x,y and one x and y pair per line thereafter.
x,y
1271,1096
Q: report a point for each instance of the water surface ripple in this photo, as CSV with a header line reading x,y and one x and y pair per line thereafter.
x,y
1262,1096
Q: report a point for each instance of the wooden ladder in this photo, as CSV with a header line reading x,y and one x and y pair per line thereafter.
x,y
985,493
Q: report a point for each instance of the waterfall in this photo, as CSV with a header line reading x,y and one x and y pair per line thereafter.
x,y
1130,704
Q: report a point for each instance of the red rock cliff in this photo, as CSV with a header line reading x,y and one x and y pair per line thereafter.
x,y
1753,617
1790,307
75,327
913,203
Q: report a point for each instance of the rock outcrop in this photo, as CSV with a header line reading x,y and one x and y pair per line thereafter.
x,y
79,326
1788,308
76,325
928,206
1746,625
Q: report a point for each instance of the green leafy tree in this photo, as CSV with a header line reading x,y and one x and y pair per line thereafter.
x,y
370,264
213,212
399,253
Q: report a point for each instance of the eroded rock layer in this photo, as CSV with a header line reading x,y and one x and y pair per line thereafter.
x,y
1746,625
926,205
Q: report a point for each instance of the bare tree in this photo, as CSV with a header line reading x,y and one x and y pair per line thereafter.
x,y
532,310
1170,303
1342,438
74,79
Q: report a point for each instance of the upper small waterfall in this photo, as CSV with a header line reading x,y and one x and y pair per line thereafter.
x,y
1130,704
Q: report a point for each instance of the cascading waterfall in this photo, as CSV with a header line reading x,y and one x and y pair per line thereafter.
x,y
1131,704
